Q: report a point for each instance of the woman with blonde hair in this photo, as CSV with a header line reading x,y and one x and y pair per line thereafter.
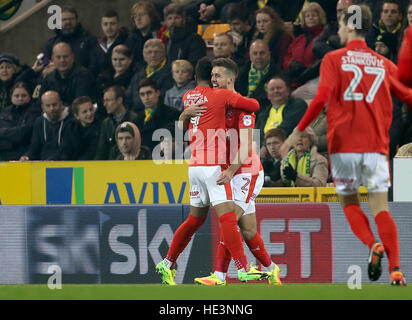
x,y
270,28
304,166
300,55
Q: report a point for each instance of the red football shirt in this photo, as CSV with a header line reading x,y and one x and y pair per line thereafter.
x,y
207,133
358,83
237,119
405,59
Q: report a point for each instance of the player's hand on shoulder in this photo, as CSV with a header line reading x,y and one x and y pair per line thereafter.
x,y
195,110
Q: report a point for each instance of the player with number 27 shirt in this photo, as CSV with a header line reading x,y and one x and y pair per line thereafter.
x,y
357,83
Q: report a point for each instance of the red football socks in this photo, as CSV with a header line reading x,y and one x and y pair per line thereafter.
x,y
359,224
223,256
233,239
257,247
182,237
388,233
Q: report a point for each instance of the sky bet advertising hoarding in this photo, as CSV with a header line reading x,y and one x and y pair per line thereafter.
x,y
123,243
93,182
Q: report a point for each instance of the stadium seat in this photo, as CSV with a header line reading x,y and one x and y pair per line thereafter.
x,y
209,31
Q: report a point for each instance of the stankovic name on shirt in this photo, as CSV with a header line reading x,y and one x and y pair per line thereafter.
x,y
362,58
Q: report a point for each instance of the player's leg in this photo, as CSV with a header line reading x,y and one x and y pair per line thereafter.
x,y
181,238
346,172
184,233
376,175
199,208
254,241
223,258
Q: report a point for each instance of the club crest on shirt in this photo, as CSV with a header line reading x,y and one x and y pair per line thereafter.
x,y
247,120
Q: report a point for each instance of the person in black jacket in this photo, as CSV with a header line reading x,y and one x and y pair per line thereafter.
x,y
113,35
117,113
74,34
16,123
254,75
146,23
88,127
68,79
180,36
157,68
157,114
390,21
119,73
8,74
54,137
283,111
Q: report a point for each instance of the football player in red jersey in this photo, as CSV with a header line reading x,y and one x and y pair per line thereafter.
x,y
356,82
245,175
207,136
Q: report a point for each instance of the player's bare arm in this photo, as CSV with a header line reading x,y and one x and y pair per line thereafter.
x,y
242,154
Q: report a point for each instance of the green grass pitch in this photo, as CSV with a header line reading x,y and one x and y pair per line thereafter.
x,y
236,291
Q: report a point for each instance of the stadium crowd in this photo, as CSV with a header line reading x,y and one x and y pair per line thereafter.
x,y
90,97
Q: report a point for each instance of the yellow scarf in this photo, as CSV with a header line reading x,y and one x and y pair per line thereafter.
x,y
303,164
382,27
150,72
254,78
262,3
149,112
299,18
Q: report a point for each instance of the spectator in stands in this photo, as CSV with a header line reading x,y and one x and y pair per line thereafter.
x,y
207,11
129,143
255,74
8,73
182,72
241,30
390,21
157,69
271,166
157,114
119,73
223,45
88,127
269,27
54,136
68,79
146,23
291,11
304,166
117,113
16,123
283,110
386,45
301,64
72,32
180,36
409,14
329,40
113,35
